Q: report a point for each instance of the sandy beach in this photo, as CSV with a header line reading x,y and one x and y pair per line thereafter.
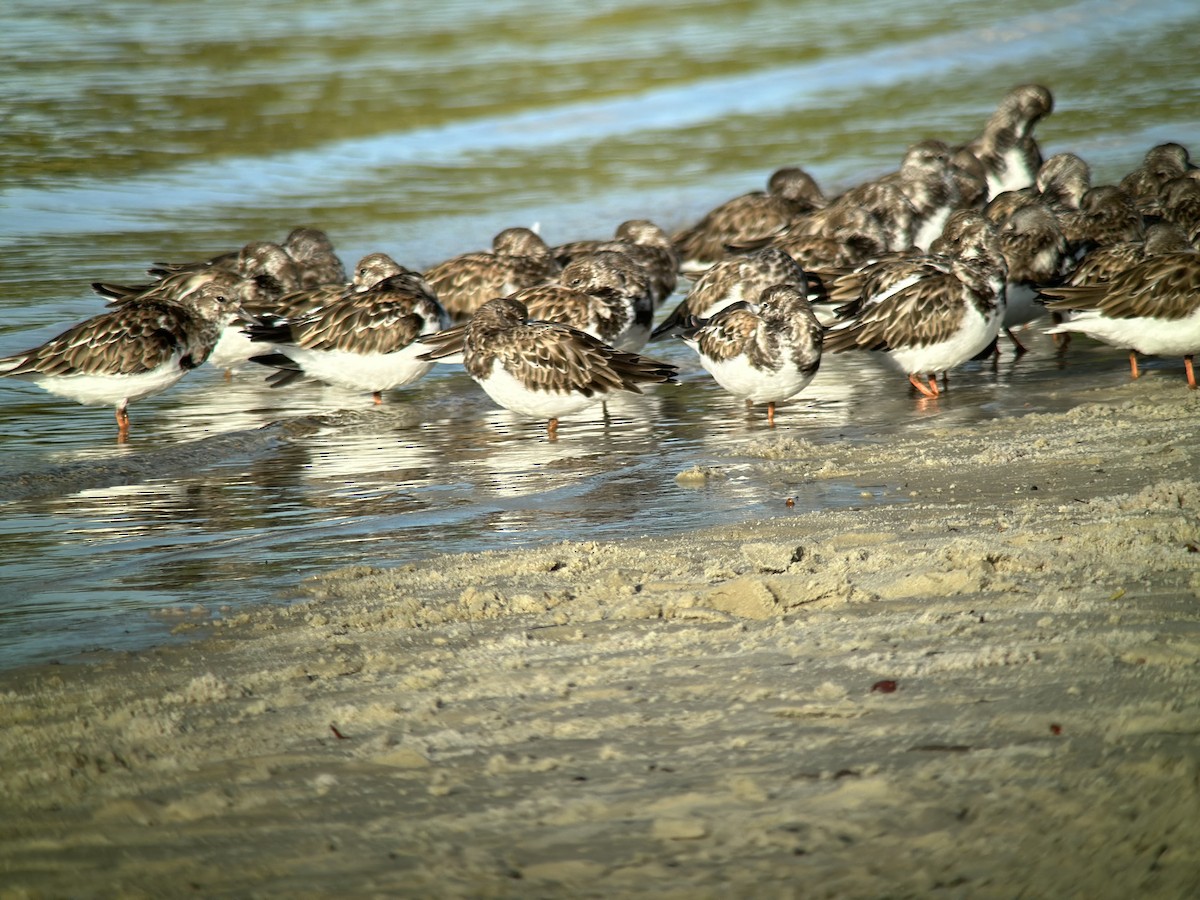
x,y
981,681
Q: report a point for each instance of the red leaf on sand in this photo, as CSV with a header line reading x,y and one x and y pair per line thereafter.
x,y
884,687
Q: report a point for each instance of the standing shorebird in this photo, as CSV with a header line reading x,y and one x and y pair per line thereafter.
x,y
1006,146
748,219
364,341
541,369
645,243
605,294
767,352
730,281
519,258
1151,308
929,314
133,350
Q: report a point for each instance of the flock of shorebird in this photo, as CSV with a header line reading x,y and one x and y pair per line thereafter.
x,y
928,266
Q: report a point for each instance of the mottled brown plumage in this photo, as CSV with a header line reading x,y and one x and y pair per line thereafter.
x,y
305,259
381,319
884,202
605,294
927,179
315,257
1152,308
1164,286
764,352
839,236
644,243
1006,146
132,338
541,369
1105,263
1162,164
1106,215
731,280
362,341
551,356
132,350
519,259
935,314
750,219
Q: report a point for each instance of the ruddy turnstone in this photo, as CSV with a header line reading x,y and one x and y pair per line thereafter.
x,y
373,268
226,260
1161,164
169,288
364,341
1036,255
836,237
309,250
128,352
315,256
541,369
767,352
1105,263
519,258
605,294
368,272
927,179
1060,185
929,314
840,292
1006,147
730,281
264,268
643,242
1062,181
970,177
882,200
265,260
235,346
1180,204
1152,308
1106,215
749,219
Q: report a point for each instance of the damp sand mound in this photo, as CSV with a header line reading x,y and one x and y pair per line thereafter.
x,y
980,682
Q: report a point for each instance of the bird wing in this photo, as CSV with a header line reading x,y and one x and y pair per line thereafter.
x,y
128,339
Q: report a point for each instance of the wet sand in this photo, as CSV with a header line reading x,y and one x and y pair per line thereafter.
x,y
979,682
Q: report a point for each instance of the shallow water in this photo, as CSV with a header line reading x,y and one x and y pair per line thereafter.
x,y
140,131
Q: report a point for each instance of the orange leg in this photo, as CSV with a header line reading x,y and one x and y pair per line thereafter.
x,y
1191,375
771,413
929,391
378,395
1061,340
1133,369
552,429
122,425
